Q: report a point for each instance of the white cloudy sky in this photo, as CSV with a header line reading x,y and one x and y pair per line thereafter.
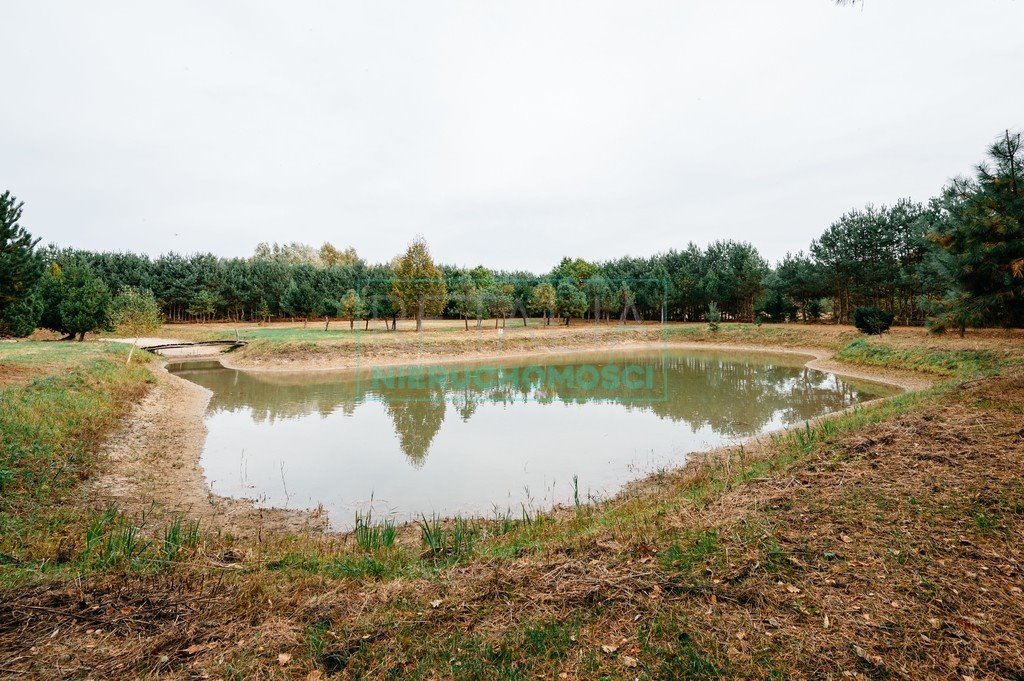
x,y
507,133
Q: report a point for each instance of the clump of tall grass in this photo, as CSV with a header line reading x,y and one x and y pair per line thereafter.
x,y
372,537
455,543
178,535
113,540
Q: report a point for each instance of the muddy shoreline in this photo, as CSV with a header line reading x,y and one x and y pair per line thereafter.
x,y
152,463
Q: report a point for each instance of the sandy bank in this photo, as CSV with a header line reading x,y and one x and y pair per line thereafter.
x,y
151,465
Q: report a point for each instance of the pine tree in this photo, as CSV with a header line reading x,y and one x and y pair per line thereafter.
x,y
20,270
982,235
85,302
571,301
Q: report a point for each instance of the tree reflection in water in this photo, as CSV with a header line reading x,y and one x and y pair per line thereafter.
x,y
733,394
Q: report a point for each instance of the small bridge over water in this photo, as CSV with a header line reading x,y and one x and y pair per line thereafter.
x,y
226,344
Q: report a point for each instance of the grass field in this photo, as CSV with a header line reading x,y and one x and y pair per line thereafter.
x,y
883,542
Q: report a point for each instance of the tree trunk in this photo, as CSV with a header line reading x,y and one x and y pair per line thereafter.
x,y
466,319
81,336
327,322
495,321
367,324
351,323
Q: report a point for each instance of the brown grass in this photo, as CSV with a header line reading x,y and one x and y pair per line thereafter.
x,y
17,374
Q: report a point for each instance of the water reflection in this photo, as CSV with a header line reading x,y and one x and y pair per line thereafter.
x,y
341,431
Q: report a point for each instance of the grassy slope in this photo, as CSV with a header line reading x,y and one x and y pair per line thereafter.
x,y
728,569
62,399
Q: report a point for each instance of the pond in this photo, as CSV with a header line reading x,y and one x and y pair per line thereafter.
x,y
483,438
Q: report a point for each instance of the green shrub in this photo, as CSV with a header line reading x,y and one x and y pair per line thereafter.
x,y
872,320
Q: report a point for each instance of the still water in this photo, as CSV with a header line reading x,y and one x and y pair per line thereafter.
x,y
477,438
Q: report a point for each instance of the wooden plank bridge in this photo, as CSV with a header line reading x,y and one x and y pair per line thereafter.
x,y
229,345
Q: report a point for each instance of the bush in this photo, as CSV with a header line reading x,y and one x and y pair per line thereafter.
x,y
872,320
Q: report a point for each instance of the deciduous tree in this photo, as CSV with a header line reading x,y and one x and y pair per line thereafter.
x,y
135,312
418,283
544,300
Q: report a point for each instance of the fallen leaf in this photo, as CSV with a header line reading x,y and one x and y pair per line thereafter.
x,y
741,635
629,661
284,658
434,604
826,621
792,589
609,648
846,538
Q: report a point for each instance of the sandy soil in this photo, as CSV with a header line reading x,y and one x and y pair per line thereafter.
x,y
151,465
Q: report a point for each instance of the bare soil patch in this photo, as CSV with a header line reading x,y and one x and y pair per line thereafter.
x,y
151,465
18,374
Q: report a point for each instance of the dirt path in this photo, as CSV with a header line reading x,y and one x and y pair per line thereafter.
x,y
151,465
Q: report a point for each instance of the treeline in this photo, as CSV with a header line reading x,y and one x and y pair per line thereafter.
x,y
955,261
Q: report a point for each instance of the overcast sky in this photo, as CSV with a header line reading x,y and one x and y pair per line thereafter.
x,y
508,133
